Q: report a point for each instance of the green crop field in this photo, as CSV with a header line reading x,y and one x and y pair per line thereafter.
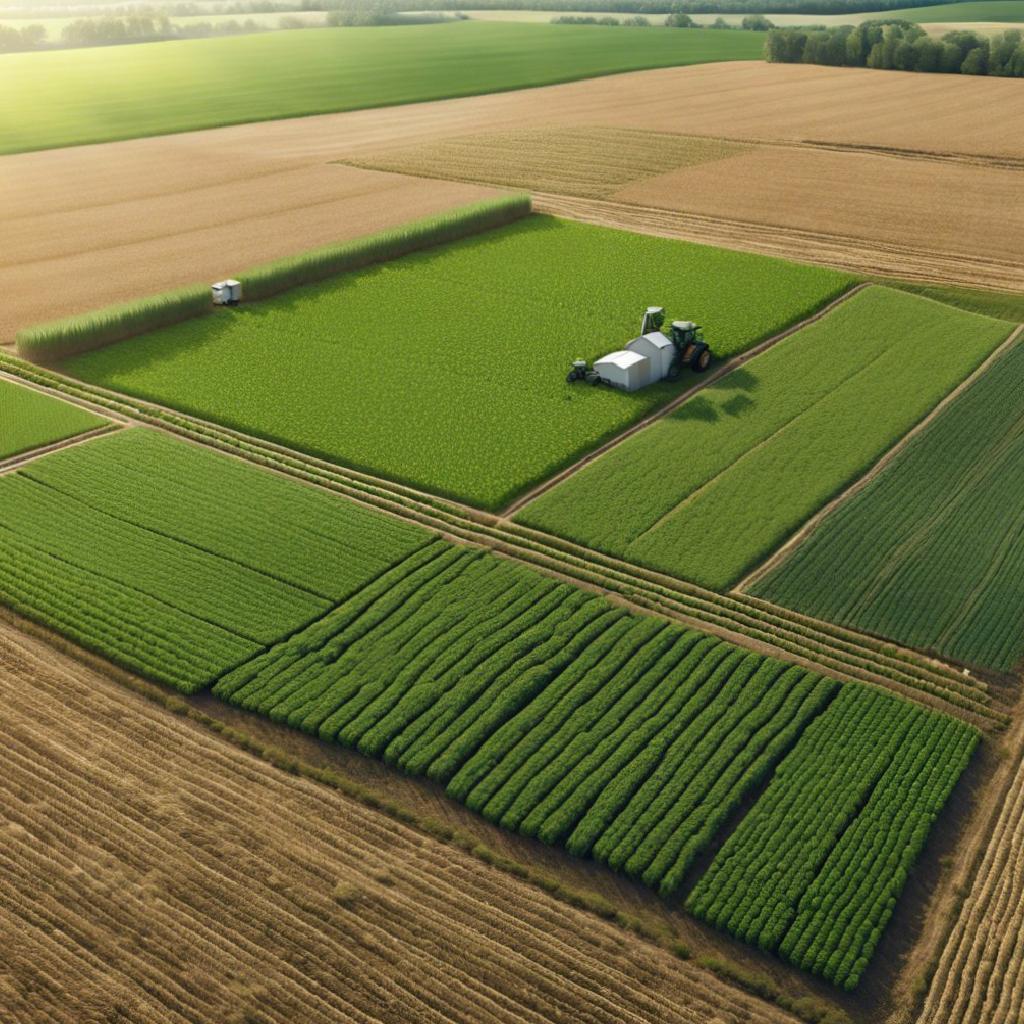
x,y
625,739
69,97
446,369
722,481
30,420
177,562
544,707
972,10
931,552
814,870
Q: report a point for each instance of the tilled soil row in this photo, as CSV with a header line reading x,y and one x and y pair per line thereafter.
x,y
980,977
747,621
156,871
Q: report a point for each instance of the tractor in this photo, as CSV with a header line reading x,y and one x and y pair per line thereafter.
x,y
651,357
687,338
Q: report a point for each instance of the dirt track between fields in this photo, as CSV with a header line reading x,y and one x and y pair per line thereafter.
x,y
154,873
84,227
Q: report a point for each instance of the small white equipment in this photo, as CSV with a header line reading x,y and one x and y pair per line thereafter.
x,y
626,370
226,293
651,357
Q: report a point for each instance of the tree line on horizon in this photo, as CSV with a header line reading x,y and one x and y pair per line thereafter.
x,y
900,46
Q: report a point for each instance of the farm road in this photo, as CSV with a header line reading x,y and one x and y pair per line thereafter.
x,y
126,219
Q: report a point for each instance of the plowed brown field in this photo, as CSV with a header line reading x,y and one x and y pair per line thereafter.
x,y
155,873
88,226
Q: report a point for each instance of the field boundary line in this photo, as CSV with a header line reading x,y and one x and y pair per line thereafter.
x,y
783,552
24,458
703,382
842,252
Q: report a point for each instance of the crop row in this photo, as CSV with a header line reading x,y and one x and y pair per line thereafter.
x,y
178,562
931,552
814,870
838,650
545,708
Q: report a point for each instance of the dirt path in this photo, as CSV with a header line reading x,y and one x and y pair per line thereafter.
x,y
666,410
833,650
784,551
156,873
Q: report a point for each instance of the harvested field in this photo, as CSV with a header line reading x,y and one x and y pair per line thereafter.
x,y
119,224
128,219
299,904
949,206
588,162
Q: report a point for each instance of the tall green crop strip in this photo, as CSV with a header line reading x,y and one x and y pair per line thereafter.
x,y
722,481
814,870
629,740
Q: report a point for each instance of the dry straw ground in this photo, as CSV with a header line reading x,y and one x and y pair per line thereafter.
x,y
155,873
88,226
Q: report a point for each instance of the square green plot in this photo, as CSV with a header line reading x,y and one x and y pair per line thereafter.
x,y
447,369
29,419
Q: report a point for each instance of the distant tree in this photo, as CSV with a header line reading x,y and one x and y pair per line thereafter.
x,y
638,21
756,23
976,62
679,20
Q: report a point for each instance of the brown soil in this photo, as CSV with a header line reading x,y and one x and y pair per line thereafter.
x,y
88,226
154,872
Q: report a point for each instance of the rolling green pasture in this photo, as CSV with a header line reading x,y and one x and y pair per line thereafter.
x,y
446,369
719,483
30,420
177,562
69,97
931,552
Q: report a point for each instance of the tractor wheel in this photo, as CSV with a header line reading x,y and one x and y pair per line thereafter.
x,y
570,377
595,379
701,359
